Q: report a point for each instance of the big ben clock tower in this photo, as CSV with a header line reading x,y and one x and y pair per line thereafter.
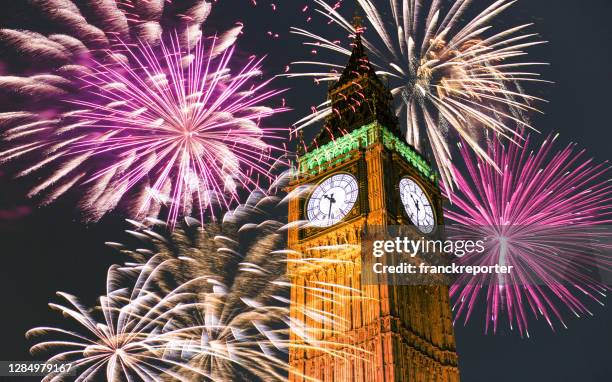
x,y
363,174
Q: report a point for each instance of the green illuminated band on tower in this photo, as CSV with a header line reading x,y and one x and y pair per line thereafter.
x,y
330,153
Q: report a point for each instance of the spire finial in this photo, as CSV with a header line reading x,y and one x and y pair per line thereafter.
x,y
358,24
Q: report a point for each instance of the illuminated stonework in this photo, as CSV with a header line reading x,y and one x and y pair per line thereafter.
x,y
332,153
405,331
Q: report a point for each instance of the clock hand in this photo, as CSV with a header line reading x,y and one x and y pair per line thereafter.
x,y
330,198
417,204
331,203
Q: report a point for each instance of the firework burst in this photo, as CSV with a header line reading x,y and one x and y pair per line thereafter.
x,y
126,335
542,215
452,76
147,118
202,304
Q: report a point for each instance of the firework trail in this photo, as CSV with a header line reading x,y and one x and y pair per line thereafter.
x,y
219,305
455,77
127,334
131,113
543,215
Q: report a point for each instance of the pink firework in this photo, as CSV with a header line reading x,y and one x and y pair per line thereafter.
x,y
160,125
544,215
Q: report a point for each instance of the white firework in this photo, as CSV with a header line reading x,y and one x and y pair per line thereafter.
x,y
453,75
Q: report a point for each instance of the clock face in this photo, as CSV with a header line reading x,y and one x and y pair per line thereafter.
x,y
332,200
417,205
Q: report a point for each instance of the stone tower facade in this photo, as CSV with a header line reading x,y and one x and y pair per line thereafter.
x,y
406,332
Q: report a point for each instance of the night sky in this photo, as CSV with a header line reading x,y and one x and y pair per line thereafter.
x,y
48,249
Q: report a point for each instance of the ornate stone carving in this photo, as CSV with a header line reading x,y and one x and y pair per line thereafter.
x,y
407,330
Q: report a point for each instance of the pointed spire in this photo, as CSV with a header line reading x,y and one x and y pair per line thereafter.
x,y
359,63
302,148
358,97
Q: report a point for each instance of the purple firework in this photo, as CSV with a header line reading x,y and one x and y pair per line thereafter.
x,y
542,215
145,118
